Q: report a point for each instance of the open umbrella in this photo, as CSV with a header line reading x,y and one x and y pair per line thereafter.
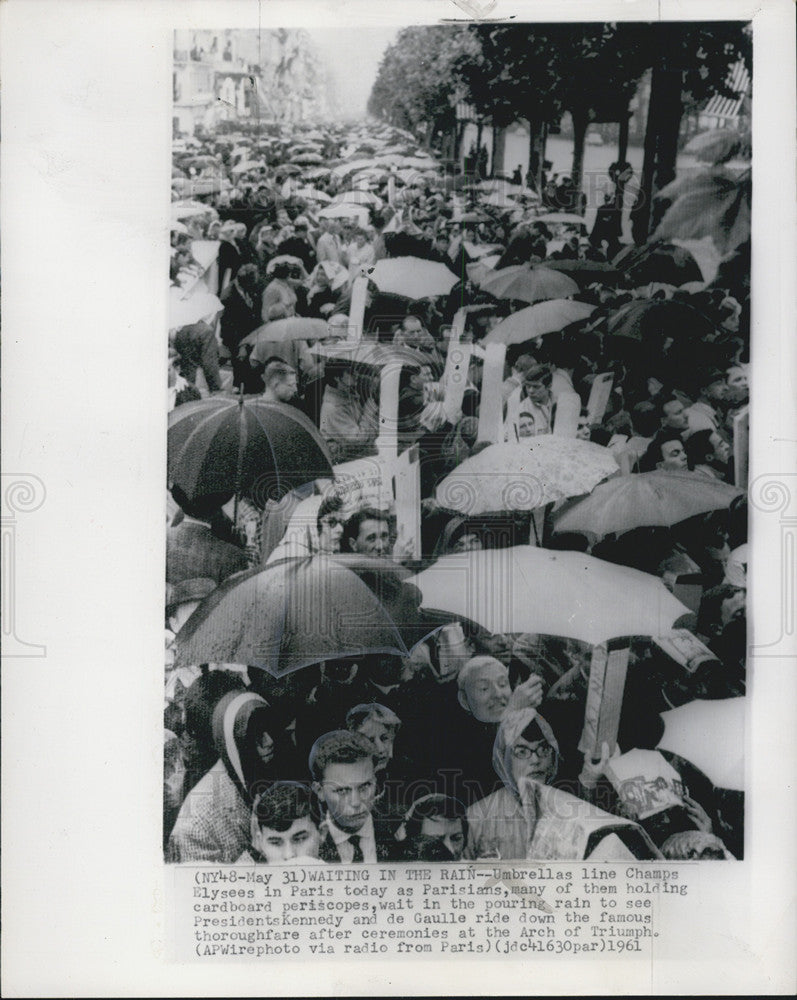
x,y
645,499
710,735
658,319
300,611
715,203
292,328
307,159
367,353
190,209
665,262
224,444
482,269
313,194
413,277
358,198
537,320
353,165
717,145
526,475
317,172
187,311
585,272
346,210
244,165
528,283
569,594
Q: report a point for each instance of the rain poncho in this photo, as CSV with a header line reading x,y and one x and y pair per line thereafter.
x,y
213,823
537,822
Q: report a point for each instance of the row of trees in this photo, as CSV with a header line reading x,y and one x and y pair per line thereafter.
x,y
536,72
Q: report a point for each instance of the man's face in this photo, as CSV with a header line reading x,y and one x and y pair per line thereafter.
x,y
373,538
675,416
300,840
487,692
449,831
413,331
537,392
329,533
737,378
285,390
673,457
382,737
348,791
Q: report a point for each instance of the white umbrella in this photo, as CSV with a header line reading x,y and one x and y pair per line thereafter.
x,y
313,194
569,594
523,476
189,209
539,319
413,276
358,198
245,165
710,735
346,210
187,311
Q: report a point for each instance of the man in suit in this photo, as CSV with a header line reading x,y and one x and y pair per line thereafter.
x,y
344,781
192,550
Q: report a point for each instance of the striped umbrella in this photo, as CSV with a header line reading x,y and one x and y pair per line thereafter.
x,y
225,444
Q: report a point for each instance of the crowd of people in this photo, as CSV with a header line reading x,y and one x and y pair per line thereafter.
x,y
471,746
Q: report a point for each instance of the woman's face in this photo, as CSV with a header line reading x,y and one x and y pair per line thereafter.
x,y
467,543
330,533
525,426
532,761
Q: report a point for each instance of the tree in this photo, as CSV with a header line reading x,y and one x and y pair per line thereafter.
x,y
513,76
415,83
598,68
690,63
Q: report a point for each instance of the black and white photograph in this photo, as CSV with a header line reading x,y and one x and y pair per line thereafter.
x,y
459,353
399,502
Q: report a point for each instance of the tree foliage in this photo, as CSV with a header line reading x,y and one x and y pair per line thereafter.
x,y
416,84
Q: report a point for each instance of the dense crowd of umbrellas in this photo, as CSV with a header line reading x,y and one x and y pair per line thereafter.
x,y
550,439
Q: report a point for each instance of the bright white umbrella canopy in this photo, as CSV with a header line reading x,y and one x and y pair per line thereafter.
x,y
710,735
569,594
526,475
539,319
413,277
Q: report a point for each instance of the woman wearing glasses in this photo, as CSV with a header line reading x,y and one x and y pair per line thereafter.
x,y
530,819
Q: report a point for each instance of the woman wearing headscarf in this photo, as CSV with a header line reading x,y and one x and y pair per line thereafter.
x,y
213,822
530,819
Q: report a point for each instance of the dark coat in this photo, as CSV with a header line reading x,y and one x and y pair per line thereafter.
x,y
387,849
